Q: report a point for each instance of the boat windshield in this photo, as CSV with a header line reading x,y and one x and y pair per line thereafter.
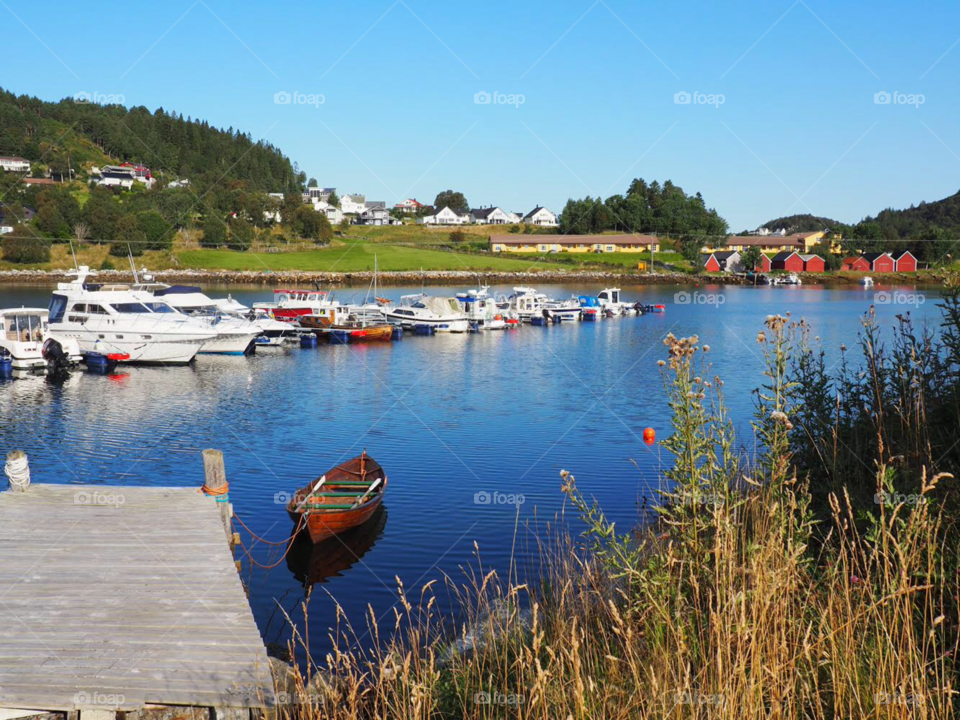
x,y
159,307
131,307
199,310
25,327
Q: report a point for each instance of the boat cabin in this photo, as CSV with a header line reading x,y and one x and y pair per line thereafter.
x,y
25,325
610,295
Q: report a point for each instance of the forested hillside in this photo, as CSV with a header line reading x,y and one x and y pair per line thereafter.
x,y
801,223
58,135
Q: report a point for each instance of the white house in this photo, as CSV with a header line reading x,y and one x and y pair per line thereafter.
x,y
513,218
541,216
408,206
12,163
353,204
316,193
489,216
446,217
333,213
375,214
115,176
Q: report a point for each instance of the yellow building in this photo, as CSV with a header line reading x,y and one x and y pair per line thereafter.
x,y
574,243
802,243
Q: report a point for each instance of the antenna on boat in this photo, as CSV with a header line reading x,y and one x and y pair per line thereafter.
x,y
133,265
74,253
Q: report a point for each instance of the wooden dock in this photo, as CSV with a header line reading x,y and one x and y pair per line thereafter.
x,y
113,598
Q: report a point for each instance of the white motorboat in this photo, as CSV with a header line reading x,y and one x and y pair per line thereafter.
x,y
24,333
234,335
866,281
273,333
525,303
610,303
113,319
566,310
481,308
443,314
791,279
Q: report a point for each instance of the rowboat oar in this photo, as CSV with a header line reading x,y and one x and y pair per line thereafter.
x,y
370,489
316,487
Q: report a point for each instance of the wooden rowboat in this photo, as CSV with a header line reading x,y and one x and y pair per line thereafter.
x,y
379,332
343,498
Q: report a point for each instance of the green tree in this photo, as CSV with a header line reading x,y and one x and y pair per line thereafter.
x,y
51,221
344,226
750,258
831,260
312,183
128,238
456,201
333,199
24,248
938,246
214,231
100,214
157,232
242,234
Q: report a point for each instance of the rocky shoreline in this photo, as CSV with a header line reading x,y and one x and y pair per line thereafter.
x,y
428,277
437,277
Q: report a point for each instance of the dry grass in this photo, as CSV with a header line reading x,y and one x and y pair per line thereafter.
x,y
739,602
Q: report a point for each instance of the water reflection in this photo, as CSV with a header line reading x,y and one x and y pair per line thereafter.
x,y
311,564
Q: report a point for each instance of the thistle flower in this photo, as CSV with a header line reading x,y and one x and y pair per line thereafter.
x,y
782,419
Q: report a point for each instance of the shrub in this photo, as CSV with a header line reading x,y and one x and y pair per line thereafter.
x,y
458,236
156,231
25,249
214,232
128,238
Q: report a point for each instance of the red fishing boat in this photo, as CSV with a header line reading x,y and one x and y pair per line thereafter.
x,y
342,498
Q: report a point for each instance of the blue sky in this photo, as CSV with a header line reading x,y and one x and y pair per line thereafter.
x,y
798,129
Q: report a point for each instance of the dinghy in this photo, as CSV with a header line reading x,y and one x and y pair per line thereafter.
x,y
343,498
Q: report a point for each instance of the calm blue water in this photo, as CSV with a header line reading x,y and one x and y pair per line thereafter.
x,y
447,416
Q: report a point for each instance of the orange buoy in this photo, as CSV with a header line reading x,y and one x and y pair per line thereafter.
x,y
649,436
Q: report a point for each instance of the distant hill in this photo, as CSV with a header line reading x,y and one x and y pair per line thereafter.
x,y
77,135
915,220
801,223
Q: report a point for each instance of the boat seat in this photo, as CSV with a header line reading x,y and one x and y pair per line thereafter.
x,y
363,483
338,494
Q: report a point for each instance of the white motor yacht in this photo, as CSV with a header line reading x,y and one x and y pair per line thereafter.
x,y
113,319
443,314
273,333
23,334
234,335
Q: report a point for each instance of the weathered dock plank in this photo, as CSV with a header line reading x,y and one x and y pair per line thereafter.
x,y
113,598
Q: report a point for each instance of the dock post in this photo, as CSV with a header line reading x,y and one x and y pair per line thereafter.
x,y
17,470
215,484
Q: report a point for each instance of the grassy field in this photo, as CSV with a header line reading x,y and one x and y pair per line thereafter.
x,y
349,256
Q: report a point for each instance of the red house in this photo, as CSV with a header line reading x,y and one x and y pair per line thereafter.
x,y
856,264
904,261
764,264
813,263
787,260
710,264
879,262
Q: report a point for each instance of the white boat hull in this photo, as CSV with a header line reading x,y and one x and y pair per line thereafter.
x,y
160,351
229,344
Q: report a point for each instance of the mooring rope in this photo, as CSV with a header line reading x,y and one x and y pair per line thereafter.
x,y
221,494
260,539
18,471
